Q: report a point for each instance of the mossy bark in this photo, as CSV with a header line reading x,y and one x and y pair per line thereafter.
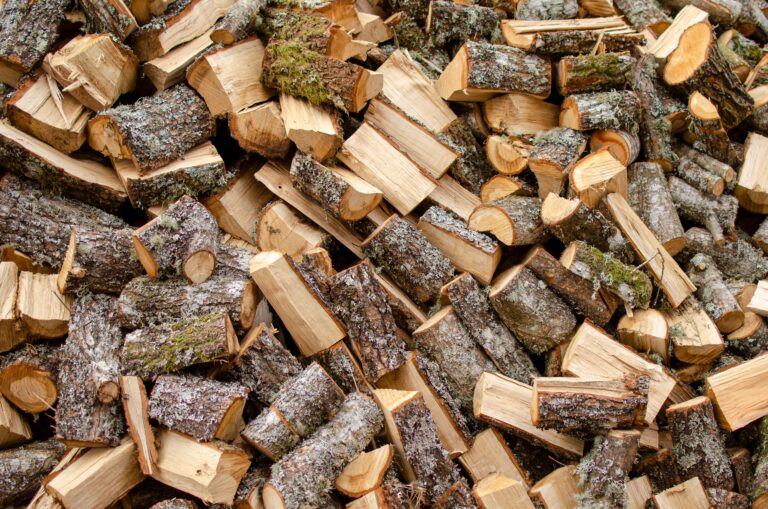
x,y
655,127
471,169
313,30
711,290
698,177
499,67
524,216
745,47
575,42
759,492
605,110
717,215
110,16
29,30
642,14
594,73
450,23
649,197
23,469
546,9
240,21
604,471
89,412
473,308
661,469
735,258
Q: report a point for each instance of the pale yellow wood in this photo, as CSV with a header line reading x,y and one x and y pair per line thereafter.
x,y
195,20
261,129
490,454
44,500
171,68
666,43
695,337
638,491
688,495
738,393
450,195
623,146
500,186
592,353
10,331
313,129
752,184
516,114
373,157
759,301
597,174
557,490
229,79
523,33
646,331
134,396
665,270
507,403
282,228
500,492
40,305
366,472
373,28
98,478
14,429
389,400
649,437
210,471
507,155
373,500
312,326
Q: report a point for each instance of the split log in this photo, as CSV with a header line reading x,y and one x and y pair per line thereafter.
x,y
344,368
727,499
12,331
719,303
518,113
490,454
366,472
759,119
758,303
696,444
759,487
450,23
751,183
707,129
552,157
647,330
23,469
229,78
240,20
168,70
642,15
661,470
315,130
572,220
732,392
23,21
506,403
597,174
261,129
204,409
589,404
513,220
508,156
135,404
655,125
741,461
539,319
501,186
604,471
722,12
95,69
327,450
479,71
557,489
316,31
700,178
279,227
471,169
601,110
58,120
623,146
497,491
28,377
41,307
593,73
14,429
153,131
717,215
171,347
697,64
735,258
691,493
112,16
577,36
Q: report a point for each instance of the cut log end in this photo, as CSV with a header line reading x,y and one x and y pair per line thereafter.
x,y
492,219
199,266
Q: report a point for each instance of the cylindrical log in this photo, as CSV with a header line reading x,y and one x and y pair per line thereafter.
x,y
414,264
576,42
506,155
546,9
240,21
661,469
28,377
594,73
601,110
23,469
718,301
721,12
707,129
453,23
649,197
532,311
514,220
604,471
623,146
108,16
759,492
735,258
301,478
642,14
718,216
552,156
471,168
655,126
709,163
700,178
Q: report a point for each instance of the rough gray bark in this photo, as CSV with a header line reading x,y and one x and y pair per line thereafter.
x,y
642,14
89,412
604,471
23,469
709,163
176,503
712,139
735,258
108,16
546,9
759,491
655,126
343,368
717,215
724,499
241,19
499,67
760,238
721,12
577,42
594,73
698,177
649,197
451,23
604,110
471,169
520,217
661,470
556,151
711,290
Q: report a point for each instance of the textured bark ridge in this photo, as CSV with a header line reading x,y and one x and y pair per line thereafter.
x,y
645,14
263,364
605,470
171,347
451,23
546,9
28,377
314,30
304,403
552,156
514,220
176,503
661,470
359,300
204,409
578,42
532,311
155,130
240,21
655,126
601,110
759,491
471,305
89,412
707,128
303,477
728,499
711,290
339,363
498,67
697,445
735,258
717,215
457,497
700,178
109,16
414,264
594,73
22,470
471,168
29,30
182,241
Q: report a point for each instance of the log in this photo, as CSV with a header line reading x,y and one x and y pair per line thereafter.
x,y
719,303
604,471
497,491
557,489
750,184
690,493
576,36
589,404
708,163
23,469
112,16
28,378
225,83
279,227
344,368
480,71
641,15
727,499
660,469
538,10
173,346
449,23
155,130
490,454
717,215
240,19
518,113
507,155
44,311
366,472
741,461
735,404
135,404
601,110
176,503
597,174
471,169
623,146
450,195
168,70
647,330
12,331
552,157
327,450
696,444
722,12
707,128
735,258
759,491
14,429
599,8
95,69
700,178
315,130
593,73
758,302
655,124
261,129
501,186
513,220
759,119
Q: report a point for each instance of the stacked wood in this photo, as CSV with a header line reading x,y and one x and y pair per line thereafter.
x,y
601,110
749,183
593,73
576,36
655,125
716,214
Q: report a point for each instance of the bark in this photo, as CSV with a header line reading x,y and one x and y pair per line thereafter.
x,y
233,261
712,139
412,262
582,41
532,311
29,30
270,435
721,12
251,485
28,377
473,308
450,23
752,20
724,499
171,347
661,469
594,73
697,445
642,14
313,30
546,9
471,169
339,363
741,461
89,412
182,241
759,491
155,130
301,478
361,303
760,238
759,119
735,258
711,290
415,9
23,469
176,503
240,21
514,220
649,197
108,16
710,164
499,67
604,471
602,110
457,497
554,153
718,215
700,178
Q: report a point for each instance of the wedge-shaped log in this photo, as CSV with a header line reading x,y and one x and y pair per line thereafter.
x,y
314,129
647,330
604,471
690,493
751,181
490,454
732,392
28,378
135,404
14,429
167,70
12,332
596,175
507,155
366,472
520,113
552,156
23,469
513,220
261,129
280,227
239,20
44,311
557,489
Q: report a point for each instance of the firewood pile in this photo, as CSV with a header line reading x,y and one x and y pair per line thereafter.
x,y
384,254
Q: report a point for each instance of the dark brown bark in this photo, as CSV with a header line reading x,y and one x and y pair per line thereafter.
x,y
239,22
452,23
717,215
499,67
109,16
471,169
649,197
604,471
655,126
594,73
602,110
89,412
711,290
458,496
24,468
577,42
735,258
724,499
28,377
741,461
661,469
759,491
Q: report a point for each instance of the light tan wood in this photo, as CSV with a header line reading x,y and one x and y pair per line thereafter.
x,y
592,353
638,491
12,332
409,377
516,114
752,184
229,79
40,305
144,10
490,454
649,437
500,186
597,174
500,492
406,86
415,141
389,400
312,326
735,393
366,472
599,7
506,155
374,158
557,490
314,129
22,261
171,68
94,69
373,28
664,269
666,43
646,331
135,403
373,500
261,129
522,33
759,301
623,146
507,403
210,471
98,478
14,429
688,495
450,195
695,337
42,499
281,228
